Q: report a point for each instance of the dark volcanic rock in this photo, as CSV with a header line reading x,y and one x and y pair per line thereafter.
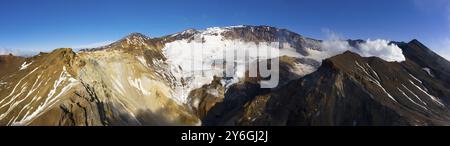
x,y
423,56
352,90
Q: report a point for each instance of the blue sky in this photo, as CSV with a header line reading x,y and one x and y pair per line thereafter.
x,y
31,25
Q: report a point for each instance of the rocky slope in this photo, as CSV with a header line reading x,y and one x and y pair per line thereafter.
x,y
36,86
347,90
177,80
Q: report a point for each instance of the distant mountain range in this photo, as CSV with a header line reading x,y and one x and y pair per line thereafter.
x,y
140,80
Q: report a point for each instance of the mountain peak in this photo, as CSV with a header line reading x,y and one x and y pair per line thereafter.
x,y
414,41
65,53
136,35
133,39
63,50
189,31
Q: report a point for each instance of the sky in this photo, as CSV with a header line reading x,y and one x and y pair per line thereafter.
x,y
43,25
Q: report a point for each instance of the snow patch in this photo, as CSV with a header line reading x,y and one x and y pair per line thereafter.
x,y
236,26
139,85
195,103
14,89
25,65
417,97
426,93
375,81
407,97
373,71
416,79
302,69
52,97
137,41
142,60
3,83
428,70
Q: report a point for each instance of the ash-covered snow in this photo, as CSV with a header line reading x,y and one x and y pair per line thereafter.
x,y
198,61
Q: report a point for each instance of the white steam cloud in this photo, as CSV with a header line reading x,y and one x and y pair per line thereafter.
x,y
382,49
370,48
